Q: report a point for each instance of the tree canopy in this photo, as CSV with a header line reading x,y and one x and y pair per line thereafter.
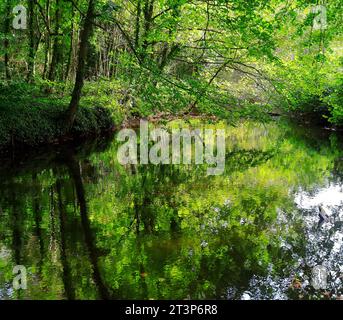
x,y
225,57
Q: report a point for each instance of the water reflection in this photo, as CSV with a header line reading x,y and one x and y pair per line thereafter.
x,y
89,228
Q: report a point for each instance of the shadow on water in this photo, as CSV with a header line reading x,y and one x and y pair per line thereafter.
x,y
86,227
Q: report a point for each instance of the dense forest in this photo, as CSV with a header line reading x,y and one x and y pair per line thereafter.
x,y
83,66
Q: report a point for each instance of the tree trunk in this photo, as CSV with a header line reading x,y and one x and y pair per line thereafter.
x,y
148,14
31,62
56,51
47,41
138,17
6,41
71,49
81,67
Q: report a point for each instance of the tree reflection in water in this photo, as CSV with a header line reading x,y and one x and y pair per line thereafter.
x,y
89,228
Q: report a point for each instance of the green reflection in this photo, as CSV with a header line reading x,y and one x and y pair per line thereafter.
x,y
88,228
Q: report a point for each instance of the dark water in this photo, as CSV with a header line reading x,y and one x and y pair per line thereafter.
x,y
85,227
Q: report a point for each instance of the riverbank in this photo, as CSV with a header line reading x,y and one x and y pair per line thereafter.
x,y
40,125
23,126
33,115
30,116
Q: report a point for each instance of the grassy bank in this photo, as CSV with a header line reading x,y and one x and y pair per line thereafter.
x,y
32,115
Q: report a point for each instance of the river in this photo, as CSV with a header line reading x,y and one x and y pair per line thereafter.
x,y
86,227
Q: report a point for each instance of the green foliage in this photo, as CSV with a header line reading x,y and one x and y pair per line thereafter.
x,y
334,100
30,116
233,59
308,75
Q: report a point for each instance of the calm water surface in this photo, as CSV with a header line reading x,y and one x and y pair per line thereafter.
x,y
86,227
